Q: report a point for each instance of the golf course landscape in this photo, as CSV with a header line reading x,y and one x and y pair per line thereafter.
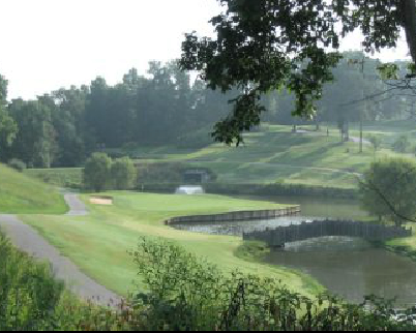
x,y
272,154
108,234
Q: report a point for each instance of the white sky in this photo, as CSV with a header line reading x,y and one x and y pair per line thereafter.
x,y
49,44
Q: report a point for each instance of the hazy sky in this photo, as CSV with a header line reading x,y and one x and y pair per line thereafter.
x,y
48,44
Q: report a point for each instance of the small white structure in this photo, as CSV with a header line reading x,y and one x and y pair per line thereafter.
x,y
190,190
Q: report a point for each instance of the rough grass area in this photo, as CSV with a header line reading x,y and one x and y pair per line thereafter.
x,y
20,194
61,177
99,243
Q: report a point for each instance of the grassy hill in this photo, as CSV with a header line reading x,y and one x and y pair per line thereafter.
x,y
271,154
20,194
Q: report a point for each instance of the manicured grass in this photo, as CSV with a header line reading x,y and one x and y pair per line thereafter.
x,y
272,154
99,243
275,154
20,194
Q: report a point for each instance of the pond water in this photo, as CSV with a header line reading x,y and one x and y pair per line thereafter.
x,y
352,268
349,268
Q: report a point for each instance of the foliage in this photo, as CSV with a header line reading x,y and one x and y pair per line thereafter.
x,y
28,292
187,294
161,173
97,172
264,45
402,144
123,174
35,143
17,164
388,189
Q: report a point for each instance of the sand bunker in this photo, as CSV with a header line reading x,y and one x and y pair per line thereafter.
x,y
103,201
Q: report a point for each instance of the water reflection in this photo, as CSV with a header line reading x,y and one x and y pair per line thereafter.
x,y
352,268
349,268
238,228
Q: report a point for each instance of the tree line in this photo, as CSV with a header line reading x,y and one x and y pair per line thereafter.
x,y
165,106
62,128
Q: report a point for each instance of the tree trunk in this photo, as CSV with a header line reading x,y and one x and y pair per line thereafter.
x,y
408,11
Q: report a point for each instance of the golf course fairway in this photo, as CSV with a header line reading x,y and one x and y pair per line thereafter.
x,y
101,242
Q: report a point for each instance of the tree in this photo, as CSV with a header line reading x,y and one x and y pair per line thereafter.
x,y
263,45
124,174
97,172
8,128
35,142
388,190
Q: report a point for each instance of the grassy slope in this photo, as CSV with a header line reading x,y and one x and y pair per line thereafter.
x,y
99,243
62,177
24,195
270,155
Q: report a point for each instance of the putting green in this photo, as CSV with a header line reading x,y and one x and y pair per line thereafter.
x,y
100,243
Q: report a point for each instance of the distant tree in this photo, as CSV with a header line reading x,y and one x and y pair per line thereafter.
x,y
388,190
8,127
375,142
123,174
97,172
402,144
35,142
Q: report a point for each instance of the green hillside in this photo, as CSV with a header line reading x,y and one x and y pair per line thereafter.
x,y
20,194
275,154
271,154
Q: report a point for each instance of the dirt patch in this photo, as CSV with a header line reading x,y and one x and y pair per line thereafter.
x,y
102,201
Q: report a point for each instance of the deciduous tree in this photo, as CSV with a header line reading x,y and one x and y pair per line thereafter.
x,y
263,45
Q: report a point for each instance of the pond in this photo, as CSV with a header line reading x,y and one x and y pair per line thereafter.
x,y
349,268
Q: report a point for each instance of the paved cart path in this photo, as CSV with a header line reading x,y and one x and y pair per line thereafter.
x,y
28,240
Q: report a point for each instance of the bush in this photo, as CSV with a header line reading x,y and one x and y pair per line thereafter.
x,y
97,172
17,165
187,294
124,174
29,295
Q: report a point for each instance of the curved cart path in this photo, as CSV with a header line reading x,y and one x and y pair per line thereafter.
x,y
28,240
76,206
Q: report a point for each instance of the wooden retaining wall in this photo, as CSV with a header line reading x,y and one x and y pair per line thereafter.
x,y
296,233
236,216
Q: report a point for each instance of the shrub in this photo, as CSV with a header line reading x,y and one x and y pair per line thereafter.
x,y
17,164
188,294
124,174
97,172
29,295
